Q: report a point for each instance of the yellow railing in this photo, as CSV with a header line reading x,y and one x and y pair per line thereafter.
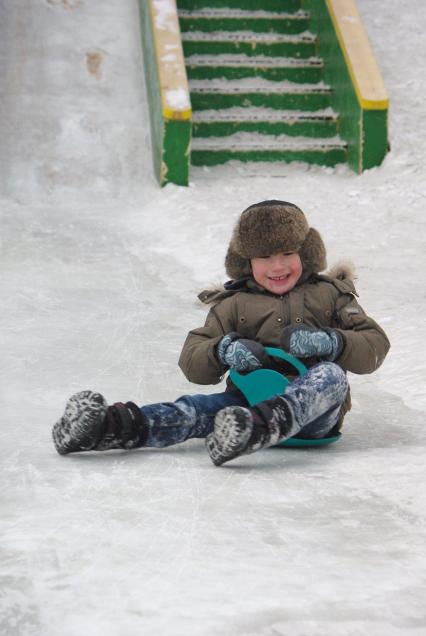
x,y
360,60
175,99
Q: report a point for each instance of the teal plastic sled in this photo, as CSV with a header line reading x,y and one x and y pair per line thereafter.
x,y
263,384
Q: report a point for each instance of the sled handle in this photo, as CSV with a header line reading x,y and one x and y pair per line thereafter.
x,y
262,384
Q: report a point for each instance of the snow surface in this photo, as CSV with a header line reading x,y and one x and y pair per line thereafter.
x,y
177,98
165,15
99,271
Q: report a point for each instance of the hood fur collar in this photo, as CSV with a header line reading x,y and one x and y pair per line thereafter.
x,y
343,271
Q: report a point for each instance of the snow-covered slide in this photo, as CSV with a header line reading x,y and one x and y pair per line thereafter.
x,y
72,100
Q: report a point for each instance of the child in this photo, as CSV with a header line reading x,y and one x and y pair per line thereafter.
x,y
276,298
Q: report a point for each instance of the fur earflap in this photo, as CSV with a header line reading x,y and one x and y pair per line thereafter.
x,y
236,266
342,270
312,253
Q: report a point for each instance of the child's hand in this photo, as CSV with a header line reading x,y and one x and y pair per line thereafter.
x,y
307,342
240,353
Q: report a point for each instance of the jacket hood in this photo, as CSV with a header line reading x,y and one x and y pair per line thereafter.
x,y
341,272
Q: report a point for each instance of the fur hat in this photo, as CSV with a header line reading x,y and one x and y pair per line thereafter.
x,y
271,227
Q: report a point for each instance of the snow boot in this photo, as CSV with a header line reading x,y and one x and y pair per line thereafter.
x,y
240,431
88,423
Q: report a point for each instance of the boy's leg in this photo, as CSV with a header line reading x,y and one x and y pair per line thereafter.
x,y
312,400
189,416
320,427
88,423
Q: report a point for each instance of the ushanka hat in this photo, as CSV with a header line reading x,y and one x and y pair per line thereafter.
x,y
271,227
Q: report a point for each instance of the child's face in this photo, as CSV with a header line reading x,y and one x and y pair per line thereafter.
x,y
277,273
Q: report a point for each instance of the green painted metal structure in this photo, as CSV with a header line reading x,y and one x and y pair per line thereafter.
x,y
269,81
365,130
170,131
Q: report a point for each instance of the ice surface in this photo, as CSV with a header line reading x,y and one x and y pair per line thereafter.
x,y
99,271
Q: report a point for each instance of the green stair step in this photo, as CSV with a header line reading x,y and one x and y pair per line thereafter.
x,y
249,43
256,84
240,66
221,122
266,5
257,147
219,93
238,19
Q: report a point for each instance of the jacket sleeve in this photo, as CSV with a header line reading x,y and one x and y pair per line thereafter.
x,y
365,342
198,358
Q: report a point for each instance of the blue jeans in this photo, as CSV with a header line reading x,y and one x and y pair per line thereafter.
x,y
315,398
190,416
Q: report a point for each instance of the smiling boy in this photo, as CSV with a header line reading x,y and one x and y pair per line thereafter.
x,y
276,298
277,273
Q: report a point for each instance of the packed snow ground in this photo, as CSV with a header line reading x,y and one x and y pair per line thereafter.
x,y
99,272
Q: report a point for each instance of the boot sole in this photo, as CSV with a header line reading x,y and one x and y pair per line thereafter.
x,y
79,429
232,430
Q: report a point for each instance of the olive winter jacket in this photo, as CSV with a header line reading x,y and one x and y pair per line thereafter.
x,y
245,307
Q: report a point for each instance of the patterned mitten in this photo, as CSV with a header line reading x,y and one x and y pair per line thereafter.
x,y
307,342
241,354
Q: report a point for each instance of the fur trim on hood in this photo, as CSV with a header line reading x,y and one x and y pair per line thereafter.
x,y
342,270
270,227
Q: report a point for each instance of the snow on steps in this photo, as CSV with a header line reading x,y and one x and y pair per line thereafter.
x,y
256,61
242,103
212,19
211,13
254,91
270,115
255,85
249,147
248,37
245,142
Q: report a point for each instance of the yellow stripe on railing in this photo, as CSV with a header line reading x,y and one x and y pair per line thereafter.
x,y
175,99
362,65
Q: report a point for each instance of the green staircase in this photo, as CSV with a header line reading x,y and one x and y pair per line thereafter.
x,y
256,83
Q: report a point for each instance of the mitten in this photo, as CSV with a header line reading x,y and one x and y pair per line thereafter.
x,y
240,353
307,342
